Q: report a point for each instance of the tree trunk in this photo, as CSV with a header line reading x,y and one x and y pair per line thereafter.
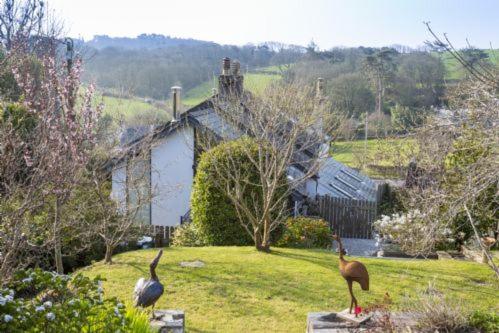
x,y
108,259
57,238
260,244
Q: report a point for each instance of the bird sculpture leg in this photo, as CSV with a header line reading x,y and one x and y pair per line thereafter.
x,y
353,299
153,315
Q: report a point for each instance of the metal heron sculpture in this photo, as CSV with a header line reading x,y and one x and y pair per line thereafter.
x,y
147,292
352,271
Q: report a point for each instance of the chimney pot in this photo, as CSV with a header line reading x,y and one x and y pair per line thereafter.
x,y
230,82
176,101
226,66
236,67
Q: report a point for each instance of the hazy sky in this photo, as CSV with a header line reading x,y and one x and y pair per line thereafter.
x,y
328,22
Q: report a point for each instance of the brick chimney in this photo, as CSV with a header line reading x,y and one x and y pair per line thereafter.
x,y
230,81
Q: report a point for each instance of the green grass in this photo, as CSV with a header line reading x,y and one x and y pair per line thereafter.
x,y
130,109
242,290
455,71
381,153
198,94
254,82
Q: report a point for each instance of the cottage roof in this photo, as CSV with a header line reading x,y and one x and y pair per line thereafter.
x,y
334,177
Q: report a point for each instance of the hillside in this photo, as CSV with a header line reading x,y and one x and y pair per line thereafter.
x,y
147,66
242,290
143,41
455,71
134,110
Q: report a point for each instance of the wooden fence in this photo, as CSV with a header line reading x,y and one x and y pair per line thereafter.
x,y
161,235
348,218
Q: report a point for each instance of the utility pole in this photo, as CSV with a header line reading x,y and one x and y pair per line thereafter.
x,y
69,53
69,63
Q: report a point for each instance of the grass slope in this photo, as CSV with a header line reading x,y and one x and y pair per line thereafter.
x,y
128,108
381,153
241,290
455,71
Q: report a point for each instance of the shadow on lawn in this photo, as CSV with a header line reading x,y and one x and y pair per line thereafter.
x,y
324,263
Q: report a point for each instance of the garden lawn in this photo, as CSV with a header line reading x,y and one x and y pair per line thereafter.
x,y
242,290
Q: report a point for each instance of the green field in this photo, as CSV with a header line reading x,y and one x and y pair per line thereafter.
x,y
455,71
133,110
137,110
242,290
254,82
376,156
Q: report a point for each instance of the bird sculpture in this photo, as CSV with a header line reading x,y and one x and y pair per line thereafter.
x,y
147,292
352,271
488,242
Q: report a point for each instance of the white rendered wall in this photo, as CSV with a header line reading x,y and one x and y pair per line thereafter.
x,y
118,188
311,186
172,175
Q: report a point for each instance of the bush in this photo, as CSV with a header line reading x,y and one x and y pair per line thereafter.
x,y
391,201
434,312
138,321
186,235
305,232
213,214
40,301
487,322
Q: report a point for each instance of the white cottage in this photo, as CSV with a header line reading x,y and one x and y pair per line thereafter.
x,y
169,158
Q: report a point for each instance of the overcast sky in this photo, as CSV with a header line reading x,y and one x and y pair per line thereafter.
x,y
328,22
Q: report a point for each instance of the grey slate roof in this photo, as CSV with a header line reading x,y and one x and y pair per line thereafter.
x,y
132,134
344,182
210,119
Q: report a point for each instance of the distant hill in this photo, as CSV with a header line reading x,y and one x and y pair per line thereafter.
x,y
149,65
143,41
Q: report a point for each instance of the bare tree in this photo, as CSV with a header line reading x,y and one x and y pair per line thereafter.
x,y
480,71
19,20
289,126
121,219
456,178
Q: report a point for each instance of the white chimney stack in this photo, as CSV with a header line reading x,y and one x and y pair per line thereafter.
x,y
176,101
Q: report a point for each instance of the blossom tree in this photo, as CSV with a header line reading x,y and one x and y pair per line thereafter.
x,y
52,153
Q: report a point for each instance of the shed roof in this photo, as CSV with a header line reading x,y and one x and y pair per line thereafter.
x,y
344,182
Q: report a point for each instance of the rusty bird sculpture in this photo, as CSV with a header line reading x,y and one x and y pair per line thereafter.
x,y
352,271
147,292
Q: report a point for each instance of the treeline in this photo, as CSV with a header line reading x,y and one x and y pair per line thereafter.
x,y
396,88
151,72
391,88
143,41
